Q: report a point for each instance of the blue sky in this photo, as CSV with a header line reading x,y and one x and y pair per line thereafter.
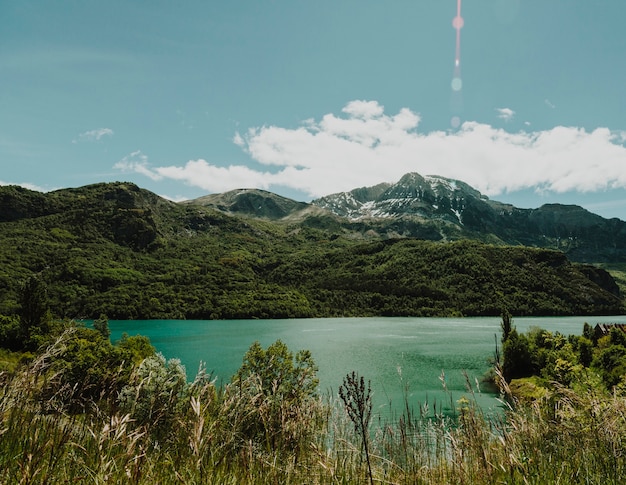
x,y
308,98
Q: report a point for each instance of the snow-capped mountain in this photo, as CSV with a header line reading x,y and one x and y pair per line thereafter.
x,y
422,196
440,209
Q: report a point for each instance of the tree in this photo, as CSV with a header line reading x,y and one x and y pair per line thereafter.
x,y
506,325
136,348
156,394
281,375
517,357
101,324
588,332
86,370
10,333
611,363
34,313
618,336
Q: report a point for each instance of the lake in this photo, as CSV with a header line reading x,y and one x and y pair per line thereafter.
x,y
394,353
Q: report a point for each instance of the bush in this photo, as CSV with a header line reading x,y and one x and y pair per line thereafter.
x,y
275,393
155,394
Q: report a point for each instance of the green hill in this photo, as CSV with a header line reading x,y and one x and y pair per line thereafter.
x,y
124,251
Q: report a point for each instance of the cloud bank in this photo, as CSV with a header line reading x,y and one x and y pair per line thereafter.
x,y
364,146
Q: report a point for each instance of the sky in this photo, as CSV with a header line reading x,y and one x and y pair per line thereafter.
x,y
308,98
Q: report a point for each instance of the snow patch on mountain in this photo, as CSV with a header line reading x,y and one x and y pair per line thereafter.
x,y
414,195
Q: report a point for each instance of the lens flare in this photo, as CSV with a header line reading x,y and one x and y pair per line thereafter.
x,y
457,23
456,99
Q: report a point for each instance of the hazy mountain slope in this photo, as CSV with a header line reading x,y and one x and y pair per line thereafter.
x,y
252,202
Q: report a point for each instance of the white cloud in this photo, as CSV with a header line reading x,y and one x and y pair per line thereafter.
x,y
238,140
175,198
365,146
200,173
363,109
27,185
505,114
196,173
137,162
94,135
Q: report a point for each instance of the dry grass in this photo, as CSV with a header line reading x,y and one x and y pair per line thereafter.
x,y
572,437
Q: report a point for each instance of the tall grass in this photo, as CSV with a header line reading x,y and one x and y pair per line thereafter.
x,y
571,437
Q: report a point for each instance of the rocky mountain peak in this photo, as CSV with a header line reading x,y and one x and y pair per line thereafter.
x,y
414,194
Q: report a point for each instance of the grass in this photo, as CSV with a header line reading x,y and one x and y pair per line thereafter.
x,y
572,436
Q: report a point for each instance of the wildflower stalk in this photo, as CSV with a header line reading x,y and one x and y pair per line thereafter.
x,y
357,400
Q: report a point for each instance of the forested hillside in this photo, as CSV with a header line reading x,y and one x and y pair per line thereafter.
x,y
439,209
123,251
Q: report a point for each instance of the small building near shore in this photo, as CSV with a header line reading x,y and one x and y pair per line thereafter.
x,y
604,329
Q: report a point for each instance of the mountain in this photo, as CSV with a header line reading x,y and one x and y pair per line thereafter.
x,y
251,202
413,195
118,249
437,209
457,211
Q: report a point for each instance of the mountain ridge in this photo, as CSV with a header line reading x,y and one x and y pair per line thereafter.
x,y
117,249
439,208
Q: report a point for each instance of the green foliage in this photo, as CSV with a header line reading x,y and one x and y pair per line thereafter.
x,y
584,346
155,394
618,337
611,363
86,369
506,325
282,375
101,325
11,361
566,361
35,318
275,388
135,348
10,333
115,249
517,357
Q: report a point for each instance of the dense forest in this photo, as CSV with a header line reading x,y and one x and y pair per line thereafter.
x,y
123,251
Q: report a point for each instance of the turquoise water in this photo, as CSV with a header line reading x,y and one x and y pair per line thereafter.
x,y
394,353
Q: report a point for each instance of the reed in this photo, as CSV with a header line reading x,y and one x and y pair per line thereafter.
x,y
574,436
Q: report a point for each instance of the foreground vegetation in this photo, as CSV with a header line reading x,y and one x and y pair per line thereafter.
x,y
84,410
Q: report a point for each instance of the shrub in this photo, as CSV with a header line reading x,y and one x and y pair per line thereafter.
x,y
156,394
276,396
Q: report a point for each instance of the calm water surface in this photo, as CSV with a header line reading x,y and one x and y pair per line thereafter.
x,y
394,353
